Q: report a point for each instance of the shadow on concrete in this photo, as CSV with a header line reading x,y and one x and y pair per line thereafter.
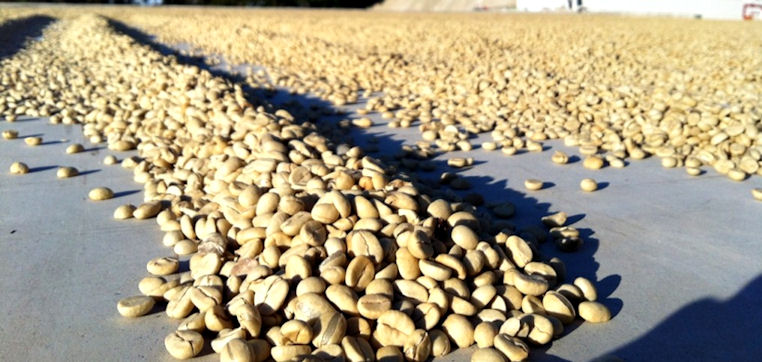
x,y
529,210
21,137
53,142
15,33
92,150
42,168
125,193
87,172
705,330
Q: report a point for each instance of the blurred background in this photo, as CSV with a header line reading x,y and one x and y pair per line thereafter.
x,y
709,9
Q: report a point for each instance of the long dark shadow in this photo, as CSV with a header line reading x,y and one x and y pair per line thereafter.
x,y
15,33
705,330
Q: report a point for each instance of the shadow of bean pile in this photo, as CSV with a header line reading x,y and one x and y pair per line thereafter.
x,y
15,33
390,149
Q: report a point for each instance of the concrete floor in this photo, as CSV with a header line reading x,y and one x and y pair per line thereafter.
x,y
678,259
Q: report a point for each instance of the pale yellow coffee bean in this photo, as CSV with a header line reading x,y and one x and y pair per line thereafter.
x,y
19,168
571,292
147,210
541,331
359,273
464,237
737,175
532,304
440,343
294,352
530,284
459,329
556,220
194,322
359,327
558,306
509,151
185,247
559,158
533,184
418,244
487,355
297,332
389,354
180,304
237,350
418,346
110,160
484,334
201,264
66,172
324,213
357,349
100,193
668,162
483,295
163,266
121,145
411,289
519,250
380,286
344,298
364,122
10,134
33,141
393,328
594,312
329,352
217,319
184,344
587,288
588,185
311,285
756,193
372,306
489,146
439,209
593,162
513,348
75,148
434,270
135,306
426,315
364,243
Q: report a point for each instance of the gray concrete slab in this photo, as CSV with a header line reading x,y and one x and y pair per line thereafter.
x,y
64,262
676,258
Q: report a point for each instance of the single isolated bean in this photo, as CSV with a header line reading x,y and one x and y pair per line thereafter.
x,y
66,172
533,184
110,160
757,193
135,306
559,158
588,185
10,134
100,194
19,168
74,148
33,141
594,312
